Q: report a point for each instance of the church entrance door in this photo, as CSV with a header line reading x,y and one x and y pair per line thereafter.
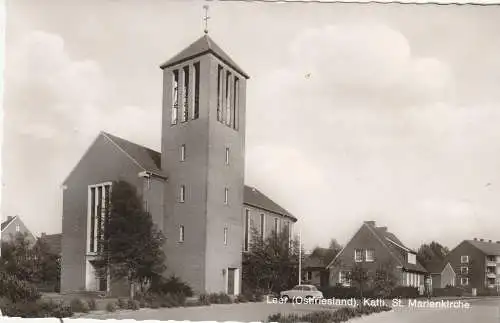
x,y
231,278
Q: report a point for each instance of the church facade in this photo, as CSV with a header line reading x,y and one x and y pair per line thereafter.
x,y
194,188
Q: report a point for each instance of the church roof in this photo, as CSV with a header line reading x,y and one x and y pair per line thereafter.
x,y
147,158
6,222
202,46
253,197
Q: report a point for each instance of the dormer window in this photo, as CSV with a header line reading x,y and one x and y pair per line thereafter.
x,y
412,258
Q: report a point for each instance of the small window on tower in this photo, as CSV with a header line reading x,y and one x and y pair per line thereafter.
x,y
182,195
225,236
183,152
227,155
181,233
226,196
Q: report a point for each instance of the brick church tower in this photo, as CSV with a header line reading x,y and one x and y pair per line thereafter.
x,y
203,152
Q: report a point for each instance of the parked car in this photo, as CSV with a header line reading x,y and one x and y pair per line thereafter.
x,y
301,291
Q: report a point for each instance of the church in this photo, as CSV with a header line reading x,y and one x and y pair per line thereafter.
x,y
194,188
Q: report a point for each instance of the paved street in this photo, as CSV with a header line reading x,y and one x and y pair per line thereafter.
x,y
481,311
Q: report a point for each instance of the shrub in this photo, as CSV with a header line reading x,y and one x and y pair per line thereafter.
x,y
340,292
33,309
111,307
405,292
133,305
341,315
488,292
92,304
78,306
448,291
171,285
241,299
219,298
204,299
122,303
17,290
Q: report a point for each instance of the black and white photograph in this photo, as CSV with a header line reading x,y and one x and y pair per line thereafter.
x,y
250,161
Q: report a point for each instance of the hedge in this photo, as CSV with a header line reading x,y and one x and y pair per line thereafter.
x,y
341,315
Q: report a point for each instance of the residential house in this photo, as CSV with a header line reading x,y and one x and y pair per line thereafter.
x,y
374,247
476,264
314,271
441,274
193,187
12,227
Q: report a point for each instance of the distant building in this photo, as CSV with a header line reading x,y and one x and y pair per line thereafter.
x,y
314,271
193,188
441,274
373,247
14,226
476,264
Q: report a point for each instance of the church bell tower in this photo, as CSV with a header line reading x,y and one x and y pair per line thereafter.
x,y
203,152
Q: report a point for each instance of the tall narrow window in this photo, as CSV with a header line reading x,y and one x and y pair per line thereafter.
x,y
226,196
276,226
175,96
92,219
235,103
225,236
183,153
185,95
196,96
99,215
182,194
247,225
227,155
219,93
228,98
262,225
146,206
181,233
358,255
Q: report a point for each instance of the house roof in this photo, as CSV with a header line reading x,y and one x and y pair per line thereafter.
x,y
311,261
488,248
147,158
203,45
6,223
54,242
435,267
253,197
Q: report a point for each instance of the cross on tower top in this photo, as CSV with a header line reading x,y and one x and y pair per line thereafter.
x,y
205,18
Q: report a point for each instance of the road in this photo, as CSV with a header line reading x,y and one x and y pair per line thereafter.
x,y
480,311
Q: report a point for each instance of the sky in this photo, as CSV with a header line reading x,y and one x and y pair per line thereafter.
x,y
354,111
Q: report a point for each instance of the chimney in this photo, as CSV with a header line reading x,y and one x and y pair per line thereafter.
x,y
482,240
475,239
384,229
372,223
489,241
43,234
498,241
9,218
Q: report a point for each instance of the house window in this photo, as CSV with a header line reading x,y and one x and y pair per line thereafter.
x,y
219,93
181,233
412,258
358,255
175,96
225,236
464,281
370,255
18,228
262,225
98,209
196,97
309,275
146,206
183,153
276,225
464,270
344,278
182,194
236,95
228,98
227,155
148,182
185,95
247,235
226,196
464,259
